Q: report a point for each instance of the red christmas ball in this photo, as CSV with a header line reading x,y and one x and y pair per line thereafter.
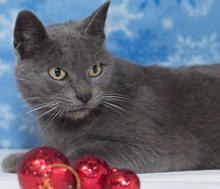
x,y
36,171
92,171
122,179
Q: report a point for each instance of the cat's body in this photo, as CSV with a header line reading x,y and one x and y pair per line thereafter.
x,y
170,121
148,119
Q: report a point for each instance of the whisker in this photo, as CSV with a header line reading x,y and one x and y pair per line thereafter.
x,y
110,93
38,107
41,115
114,98
22,79
30,122
53,120
108,106
32,98
113,105
127,99
55,117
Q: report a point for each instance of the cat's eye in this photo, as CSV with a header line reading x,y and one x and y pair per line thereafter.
x,y
96,70
57,73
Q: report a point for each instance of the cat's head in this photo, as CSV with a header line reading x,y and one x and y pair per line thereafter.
x,y
64,68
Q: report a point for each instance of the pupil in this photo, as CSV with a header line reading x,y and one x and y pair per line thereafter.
x,y
57,72
95,69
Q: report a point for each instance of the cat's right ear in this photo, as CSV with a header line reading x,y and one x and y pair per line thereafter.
x,y
29,34
93,26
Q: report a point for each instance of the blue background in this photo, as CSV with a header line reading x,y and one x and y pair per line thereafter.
x,y
164,32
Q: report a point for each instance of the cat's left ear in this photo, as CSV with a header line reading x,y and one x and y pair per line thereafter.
x,y
29,34
93,26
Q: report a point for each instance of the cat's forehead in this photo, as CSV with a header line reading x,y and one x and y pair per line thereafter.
x,y
65,36
70,44
73,48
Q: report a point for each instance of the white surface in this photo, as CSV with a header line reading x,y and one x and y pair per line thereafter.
x,y
174,180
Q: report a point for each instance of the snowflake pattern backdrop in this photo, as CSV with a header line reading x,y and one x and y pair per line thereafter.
x,y
168,33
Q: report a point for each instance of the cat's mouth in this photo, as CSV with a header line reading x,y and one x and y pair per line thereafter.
x,y
77,110
77,113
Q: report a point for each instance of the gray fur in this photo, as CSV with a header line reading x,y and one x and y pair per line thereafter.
x,y
148,119
10,164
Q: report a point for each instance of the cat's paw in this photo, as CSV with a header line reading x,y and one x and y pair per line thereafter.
x,y
10,163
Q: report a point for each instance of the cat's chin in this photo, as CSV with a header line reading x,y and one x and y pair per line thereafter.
x,y
77,114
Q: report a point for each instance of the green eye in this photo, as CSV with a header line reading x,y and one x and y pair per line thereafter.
x,y
57,73
96,70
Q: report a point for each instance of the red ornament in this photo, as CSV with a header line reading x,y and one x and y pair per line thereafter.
x,y
36,171
122,179
47,168
92,171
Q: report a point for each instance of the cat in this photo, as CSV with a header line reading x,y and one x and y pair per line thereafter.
x,y
144,118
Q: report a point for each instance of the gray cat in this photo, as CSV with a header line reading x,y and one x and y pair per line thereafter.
x,y
148,119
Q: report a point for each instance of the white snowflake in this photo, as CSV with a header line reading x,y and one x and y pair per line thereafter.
x,y
3,68
189,52
167,23
7,25
201,7
5,144
6,116
119,18
3,1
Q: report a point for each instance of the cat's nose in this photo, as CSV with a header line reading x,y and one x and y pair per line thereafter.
x,y
84,98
